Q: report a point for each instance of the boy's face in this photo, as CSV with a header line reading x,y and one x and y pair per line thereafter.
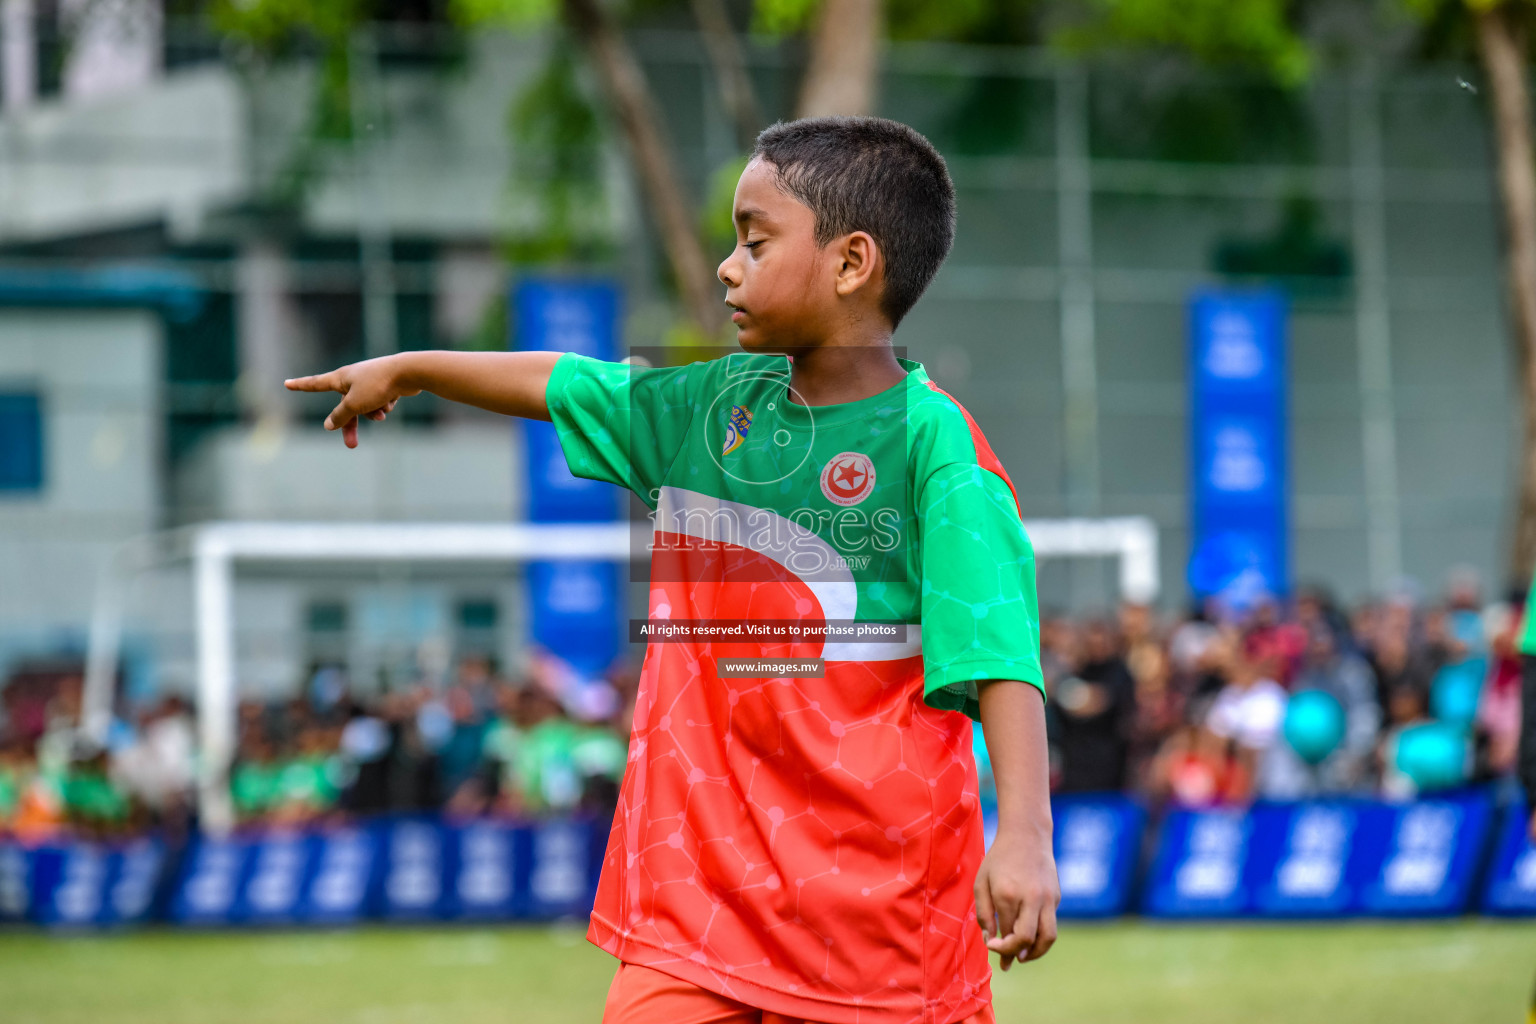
x,y
780,284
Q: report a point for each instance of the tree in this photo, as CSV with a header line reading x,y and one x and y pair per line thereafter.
x,y
844,63
1501,29
1501,44
272,26
730,65
634,108
1253,33
1263,33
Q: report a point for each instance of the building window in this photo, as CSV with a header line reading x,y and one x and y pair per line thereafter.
x,y
478,614
327,617
21,442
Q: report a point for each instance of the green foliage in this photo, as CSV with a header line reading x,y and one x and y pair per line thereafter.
x,y
1431,8
951,19
1186,118
992,118
904,19
558,156
490,334
1297,251
782,17
1254,33
270,25
515,14
274,28
1447,31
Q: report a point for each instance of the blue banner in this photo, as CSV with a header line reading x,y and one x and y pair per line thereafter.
x,y
480,879
15,882
1511,887
278,878
1306,861
559,868
490,869
1200,866
1428,856
573,606
274,890
404,869
1239,483
1324,859
345,873
91,885
1097,845
208,891
1329,858
415,866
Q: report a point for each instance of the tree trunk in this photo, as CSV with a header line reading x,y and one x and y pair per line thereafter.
x,y
630,99
730,66
840,78
1501,44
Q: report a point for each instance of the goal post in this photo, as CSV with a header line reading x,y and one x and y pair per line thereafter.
x,y
215,550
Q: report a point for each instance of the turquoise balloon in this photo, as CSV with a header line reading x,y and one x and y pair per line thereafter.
x,y
1433,755
1314,724
1454,694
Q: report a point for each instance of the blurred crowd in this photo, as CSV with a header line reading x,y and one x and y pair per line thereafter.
x,y
483,743
1218,706
1273,700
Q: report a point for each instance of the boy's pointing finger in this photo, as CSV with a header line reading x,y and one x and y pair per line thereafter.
x,y
319,382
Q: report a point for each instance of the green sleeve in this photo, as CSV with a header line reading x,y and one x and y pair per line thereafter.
x,y
619,423
981,618
1528,630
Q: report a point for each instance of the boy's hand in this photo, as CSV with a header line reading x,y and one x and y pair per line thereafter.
x,y
369,388
1016,897
1016,887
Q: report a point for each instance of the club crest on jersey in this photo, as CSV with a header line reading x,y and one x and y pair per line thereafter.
x,y
848,478
736,428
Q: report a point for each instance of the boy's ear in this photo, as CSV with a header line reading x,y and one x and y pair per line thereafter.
x,y
859,263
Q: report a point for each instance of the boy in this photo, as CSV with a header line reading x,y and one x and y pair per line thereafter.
x,y
800,844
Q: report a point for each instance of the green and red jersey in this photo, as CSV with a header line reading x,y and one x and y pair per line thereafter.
x,y
806,845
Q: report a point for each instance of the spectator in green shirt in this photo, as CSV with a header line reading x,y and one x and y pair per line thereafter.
x,y
253,780
93,802
12,781
307,785
549,762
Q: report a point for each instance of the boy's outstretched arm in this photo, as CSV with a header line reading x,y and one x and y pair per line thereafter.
x,y
1016,887
512,383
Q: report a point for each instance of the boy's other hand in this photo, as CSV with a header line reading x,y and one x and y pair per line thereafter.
x,y
1016,897
370,388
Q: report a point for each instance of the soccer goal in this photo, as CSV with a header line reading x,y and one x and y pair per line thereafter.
x,y
215,552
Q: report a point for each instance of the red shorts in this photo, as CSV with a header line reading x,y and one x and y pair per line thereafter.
x,y
644,995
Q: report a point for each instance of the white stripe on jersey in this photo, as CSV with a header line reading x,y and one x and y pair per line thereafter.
x,y
782,540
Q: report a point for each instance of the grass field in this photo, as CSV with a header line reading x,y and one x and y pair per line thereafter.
x,y
1361,973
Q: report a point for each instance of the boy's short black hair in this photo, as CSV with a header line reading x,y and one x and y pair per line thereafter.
x,y
870,174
